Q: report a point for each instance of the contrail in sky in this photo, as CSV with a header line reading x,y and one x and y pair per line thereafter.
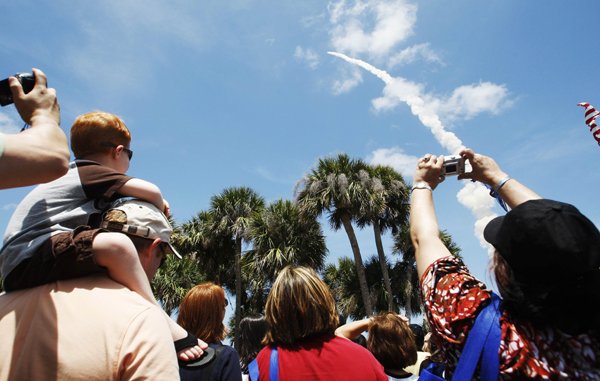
x,y
411,94
474,196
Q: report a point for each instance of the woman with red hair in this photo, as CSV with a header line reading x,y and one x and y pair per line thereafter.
x,y
201,313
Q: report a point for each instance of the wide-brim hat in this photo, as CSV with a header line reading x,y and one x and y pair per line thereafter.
x,y
139,218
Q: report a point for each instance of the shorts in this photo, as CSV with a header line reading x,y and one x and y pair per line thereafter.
x,y
63,256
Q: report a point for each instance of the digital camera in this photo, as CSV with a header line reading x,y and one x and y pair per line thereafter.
x,y
453,165
27,81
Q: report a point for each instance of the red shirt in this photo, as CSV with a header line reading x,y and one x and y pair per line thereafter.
x,y
453,298
323,358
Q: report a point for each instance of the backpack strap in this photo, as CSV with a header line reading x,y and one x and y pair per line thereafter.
x,y
253,370
273,367
482,344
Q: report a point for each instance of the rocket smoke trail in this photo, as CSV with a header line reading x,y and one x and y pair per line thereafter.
x,y
410,93
474,196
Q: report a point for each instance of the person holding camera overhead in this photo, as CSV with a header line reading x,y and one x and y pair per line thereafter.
x,y
38,154
546,266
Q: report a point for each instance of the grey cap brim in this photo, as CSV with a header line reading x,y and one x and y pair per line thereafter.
x,y
173,251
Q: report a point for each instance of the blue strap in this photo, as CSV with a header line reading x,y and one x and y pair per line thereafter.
x,y
253,370
484,337
273,368
496,195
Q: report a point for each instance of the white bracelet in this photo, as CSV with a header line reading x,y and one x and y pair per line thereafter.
x,y
501,183
421,185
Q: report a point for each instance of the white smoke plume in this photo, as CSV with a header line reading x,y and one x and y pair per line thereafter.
x,y
473,196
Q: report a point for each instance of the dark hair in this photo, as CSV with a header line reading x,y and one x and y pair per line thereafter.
x,y
562,305
419,334
252,331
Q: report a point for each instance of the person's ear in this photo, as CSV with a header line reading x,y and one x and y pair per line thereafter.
x,y
155,245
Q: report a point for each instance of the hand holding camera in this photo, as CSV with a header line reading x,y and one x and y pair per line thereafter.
x,y
27,81
32,98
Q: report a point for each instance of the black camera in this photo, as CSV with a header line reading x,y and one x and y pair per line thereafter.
x,y
27,81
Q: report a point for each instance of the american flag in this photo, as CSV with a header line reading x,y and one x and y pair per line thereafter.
x,y
590,119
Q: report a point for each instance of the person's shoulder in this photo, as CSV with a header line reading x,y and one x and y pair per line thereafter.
x,y
100,291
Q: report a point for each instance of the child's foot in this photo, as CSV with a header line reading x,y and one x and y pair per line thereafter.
x,y
189,348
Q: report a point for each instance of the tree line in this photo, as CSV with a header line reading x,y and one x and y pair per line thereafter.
x,y
241,243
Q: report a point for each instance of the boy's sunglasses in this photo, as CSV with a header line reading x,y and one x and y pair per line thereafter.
x,y
113,145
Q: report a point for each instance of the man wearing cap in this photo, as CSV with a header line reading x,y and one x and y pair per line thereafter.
x,y
547,268
93,328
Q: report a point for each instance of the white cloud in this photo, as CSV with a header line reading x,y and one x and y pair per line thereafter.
x,y
413,53
120,44
395,158
476,198
8,207
309,56
8,125
350,80
370,27
469,100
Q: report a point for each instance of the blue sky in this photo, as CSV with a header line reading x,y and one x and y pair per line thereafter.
x,y
244,93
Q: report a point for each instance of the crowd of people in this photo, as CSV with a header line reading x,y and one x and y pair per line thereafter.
x,y
81,248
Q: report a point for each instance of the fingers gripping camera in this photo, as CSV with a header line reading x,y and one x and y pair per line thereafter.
x,y
453,165
27,81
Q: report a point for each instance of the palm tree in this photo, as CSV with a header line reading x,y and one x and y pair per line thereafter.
x,y
405,276
343,282
232,211
389,213
335,187
176,276
213,249
281,236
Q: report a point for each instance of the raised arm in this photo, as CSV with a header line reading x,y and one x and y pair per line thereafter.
x,y
352,329
40,153
424,229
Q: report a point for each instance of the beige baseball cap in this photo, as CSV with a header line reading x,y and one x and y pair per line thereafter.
x,y
139,218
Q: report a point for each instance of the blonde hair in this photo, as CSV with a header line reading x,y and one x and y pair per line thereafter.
x,y
202,312
94,132
391,341
299,305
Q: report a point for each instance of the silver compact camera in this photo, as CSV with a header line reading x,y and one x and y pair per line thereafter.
x,y
453,165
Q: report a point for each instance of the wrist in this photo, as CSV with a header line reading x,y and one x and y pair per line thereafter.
x,y
43,118
500,183
421,185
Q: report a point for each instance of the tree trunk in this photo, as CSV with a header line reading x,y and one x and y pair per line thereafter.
x,y
360,268
384,270
238,289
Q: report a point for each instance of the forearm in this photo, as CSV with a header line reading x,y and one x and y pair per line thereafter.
x,y
424,230
143,190
37,155
514,193
353,329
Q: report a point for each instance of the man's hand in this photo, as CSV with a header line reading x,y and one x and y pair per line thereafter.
x,y
40,104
